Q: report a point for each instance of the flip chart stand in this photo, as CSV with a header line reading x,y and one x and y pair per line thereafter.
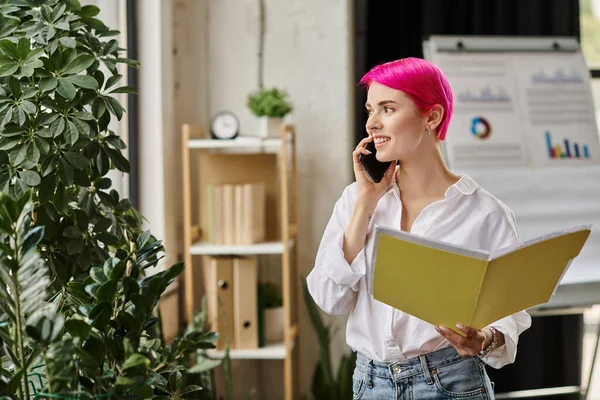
x,y
435,45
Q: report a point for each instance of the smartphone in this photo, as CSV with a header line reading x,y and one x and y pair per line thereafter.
x,y
374,168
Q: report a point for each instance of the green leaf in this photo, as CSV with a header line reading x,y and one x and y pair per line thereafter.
x,y
84,115
43,145
34,55
107,238
77,160
15,86
79,64
74,5
47,84
112,80
9,143
71,232
66,173
68,41
61,199
174,271
78,328
118,160
8,116
9,48
72,133
74,246
98,275
124,89
28,107
66,89
57,127
84,81
33,154
20,116
107,291
8,69
114,107
18,154
103,162
98,107
81,126
89,11
23,48
136,360
31,178
46,189
27,70
32,239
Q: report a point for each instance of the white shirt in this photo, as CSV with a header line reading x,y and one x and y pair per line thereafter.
x,y
467,216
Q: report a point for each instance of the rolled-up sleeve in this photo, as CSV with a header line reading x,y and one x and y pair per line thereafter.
x,y
511,327
333,282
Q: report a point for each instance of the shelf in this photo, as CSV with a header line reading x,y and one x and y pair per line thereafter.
x,y
259,248
268,144
272,351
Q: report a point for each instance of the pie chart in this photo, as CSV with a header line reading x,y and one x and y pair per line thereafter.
x,y
481,128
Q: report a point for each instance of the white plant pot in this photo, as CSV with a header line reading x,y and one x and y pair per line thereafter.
x,y
269,127
274,324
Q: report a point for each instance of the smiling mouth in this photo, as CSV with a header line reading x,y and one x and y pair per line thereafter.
x,y
380,140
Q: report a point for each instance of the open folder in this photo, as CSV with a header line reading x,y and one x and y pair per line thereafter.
x,y
447,285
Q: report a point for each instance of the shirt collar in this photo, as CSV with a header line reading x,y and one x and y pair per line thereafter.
x,y
465,185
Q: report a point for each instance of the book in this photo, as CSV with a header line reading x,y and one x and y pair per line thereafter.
x,y
445,284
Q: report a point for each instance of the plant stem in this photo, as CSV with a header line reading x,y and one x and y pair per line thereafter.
x,y
21,348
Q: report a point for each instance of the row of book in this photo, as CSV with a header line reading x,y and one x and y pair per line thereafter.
x,y
235,306
236,213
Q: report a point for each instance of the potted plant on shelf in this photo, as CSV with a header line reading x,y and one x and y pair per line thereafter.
x,y
79,313
270,105
273,312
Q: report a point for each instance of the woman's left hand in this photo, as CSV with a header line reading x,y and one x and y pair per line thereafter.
x,y
473,343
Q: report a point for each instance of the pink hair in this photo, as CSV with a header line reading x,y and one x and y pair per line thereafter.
x,y
421,80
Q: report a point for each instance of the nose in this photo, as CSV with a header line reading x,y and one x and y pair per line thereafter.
x,y
373,123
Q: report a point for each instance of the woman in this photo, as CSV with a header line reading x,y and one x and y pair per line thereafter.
x,y
409,104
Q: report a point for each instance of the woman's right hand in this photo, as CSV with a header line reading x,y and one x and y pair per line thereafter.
x,y
369,191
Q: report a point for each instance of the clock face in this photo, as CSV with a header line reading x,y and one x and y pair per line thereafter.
x,y
225,125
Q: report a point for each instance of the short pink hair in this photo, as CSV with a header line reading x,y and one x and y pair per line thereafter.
x,y
421,80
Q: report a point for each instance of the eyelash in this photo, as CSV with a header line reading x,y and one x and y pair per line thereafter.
x,y
369,112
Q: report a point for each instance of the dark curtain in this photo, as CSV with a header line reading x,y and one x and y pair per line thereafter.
x,y
550,352
387,30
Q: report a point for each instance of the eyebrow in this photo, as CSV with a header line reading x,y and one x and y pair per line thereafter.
x,y
381,103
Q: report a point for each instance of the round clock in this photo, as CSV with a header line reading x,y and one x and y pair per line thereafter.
x,y
224,125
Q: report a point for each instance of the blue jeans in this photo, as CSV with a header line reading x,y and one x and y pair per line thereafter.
x,y
442,374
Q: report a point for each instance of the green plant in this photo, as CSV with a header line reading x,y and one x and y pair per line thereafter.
x,y
272,295
325,384
269,102
95,332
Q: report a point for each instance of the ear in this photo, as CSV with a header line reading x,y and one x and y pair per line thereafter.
x,y
434,116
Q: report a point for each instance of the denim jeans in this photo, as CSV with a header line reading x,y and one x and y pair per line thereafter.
x,y
442,374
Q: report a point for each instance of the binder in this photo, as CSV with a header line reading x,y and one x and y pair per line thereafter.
x,y
445,284
245,301
219,288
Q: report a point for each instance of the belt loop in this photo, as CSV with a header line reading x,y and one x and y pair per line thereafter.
x,y
425,370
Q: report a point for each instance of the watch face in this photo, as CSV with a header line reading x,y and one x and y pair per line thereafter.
x,y
225,126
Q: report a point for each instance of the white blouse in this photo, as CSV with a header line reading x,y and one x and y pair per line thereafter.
x,y
468,216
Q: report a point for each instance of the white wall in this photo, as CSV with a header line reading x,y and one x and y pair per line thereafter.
x,y
307,53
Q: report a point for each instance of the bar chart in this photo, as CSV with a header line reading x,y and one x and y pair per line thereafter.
x,y
566,149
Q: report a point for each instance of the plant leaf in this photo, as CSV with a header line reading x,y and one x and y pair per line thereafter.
x,y
84,81
66,89
79,64
31,178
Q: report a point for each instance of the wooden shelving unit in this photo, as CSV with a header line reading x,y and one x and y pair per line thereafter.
x,y
208,161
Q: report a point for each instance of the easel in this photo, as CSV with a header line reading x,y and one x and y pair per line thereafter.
x,y
572,298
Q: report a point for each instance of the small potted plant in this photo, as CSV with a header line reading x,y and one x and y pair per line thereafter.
x,y
270,105
273,312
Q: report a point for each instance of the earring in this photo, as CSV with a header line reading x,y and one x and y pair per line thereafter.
x,y
429,131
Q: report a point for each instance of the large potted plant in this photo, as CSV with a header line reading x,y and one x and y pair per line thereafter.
x,y
270,106
77,311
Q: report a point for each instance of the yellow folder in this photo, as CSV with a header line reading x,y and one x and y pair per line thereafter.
x,y
447,285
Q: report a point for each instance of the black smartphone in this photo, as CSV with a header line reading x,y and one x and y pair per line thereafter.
x,y
374,168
